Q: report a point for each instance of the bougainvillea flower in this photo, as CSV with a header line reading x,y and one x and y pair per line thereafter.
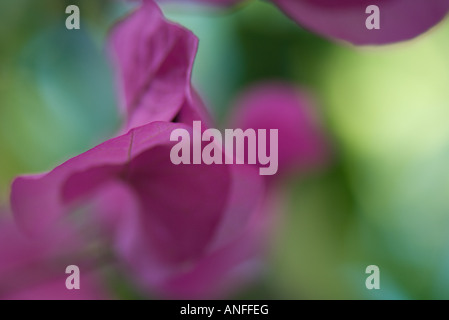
x,y
302,143
126,158
166,221
183,231
229,257
346,19
34,269
154,60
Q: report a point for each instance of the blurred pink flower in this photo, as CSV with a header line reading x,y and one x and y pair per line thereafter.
x,y
303,145
183,231
186,231
34,269
170,224
345,19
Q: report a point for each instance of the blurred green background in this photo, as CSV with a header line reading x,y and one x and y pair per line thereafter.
x,y
383,201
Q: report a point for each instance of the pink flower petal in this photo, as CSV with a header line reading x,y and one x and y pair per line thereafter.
x,y
56,290
164,220
40,200
35,268
181,206
302,144
154,59
227,258
345,19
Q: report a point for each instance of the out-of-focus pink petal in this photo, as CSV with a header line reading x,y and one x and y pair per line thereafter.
x,y
38,201
247,192
154,59
236,256
345,19
35,268
220,272
194,110
116,210
230,257
181,205
56,290
302,144
163,219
